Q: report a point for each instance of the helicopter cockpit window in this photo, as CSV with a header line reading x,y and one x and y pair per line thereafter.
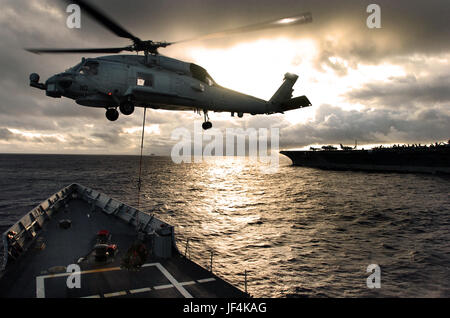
x,y
201,74
143,79
74,68
209,81
89,68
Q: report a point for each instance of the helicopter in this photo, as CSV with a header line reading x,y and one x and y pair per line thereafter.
x,y
155,81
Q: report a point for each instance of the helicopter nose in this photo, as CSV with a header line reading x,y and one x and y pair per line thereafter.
x,y
65,83
52,87
56,85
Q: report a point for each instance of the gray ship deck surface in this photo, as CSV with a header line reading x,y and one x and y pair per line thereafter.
x,y
160,278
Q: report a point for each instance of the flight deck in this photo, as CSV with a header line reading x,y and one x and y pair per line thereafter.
x,y
119,251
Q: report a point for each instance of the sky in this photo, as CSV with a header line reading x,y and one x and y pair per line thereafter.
x,y
377,86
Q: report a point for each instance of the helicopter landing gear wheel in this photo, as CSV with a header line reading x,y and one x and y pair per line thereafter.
x,y
207,124
112,114
126,108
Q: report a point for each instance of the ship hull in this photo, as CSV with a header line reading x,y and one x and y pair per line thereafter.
x,y
44,258
390,160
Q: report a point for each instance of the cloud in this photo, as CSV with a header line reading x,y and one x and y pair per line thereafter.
x,y
111,137
408,91
6,134
333,125
414,37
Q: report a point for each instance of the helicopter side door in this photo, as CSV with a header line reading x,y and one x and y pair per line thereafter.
x,y
141,83
162,83
114,76
177,85
149,86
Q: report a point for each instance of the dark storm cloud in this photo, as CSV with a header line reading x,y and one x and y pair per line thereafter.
x,y
405,91
111,138
6,134
407,26
421,22
28,24
335,125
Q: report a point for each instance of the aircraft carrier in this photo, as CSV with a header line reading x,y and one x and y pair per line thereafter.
x,y
80,243
433,159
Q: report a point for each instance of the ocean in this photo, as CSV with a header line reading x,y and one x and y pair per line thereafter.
x,y
299,232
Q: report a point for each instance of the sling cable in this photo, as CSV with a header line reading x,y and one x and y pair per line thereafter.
x,y
140,159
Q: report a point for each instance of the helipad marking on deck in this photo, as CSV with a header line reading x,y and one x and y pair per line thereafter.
x,y
163,286
140,290
40,287
119,293
40,284
175,283
206,280
147,289
99,270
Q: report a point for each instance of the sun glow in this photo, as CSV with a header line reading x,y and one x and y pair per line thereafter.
x,y
257,68
31,135
151,129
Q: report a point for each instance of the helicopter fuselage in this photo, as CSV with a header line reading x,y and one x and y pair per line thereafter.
x,y
158,82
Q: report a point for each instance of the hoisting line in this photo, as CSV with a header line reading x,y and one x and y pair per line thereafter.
x,y
140,160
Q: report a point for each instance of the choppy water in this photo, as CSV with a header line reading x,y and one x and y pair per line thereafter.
x,y
299,232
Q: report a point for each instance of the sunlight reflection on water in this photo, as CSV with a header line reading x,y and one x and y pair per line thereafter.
x,y
298,232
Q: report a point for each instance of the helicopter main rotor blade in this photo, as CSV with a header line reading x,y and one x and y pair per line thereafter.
x,y
104,20
66,51
302,18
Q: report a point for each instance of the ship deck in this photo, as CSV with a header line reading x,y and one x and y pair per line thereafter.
x,y
41,270
427,160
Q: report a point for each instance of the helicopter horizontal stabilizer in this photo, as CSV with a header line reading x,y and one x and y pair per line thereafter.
x,y
295,103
